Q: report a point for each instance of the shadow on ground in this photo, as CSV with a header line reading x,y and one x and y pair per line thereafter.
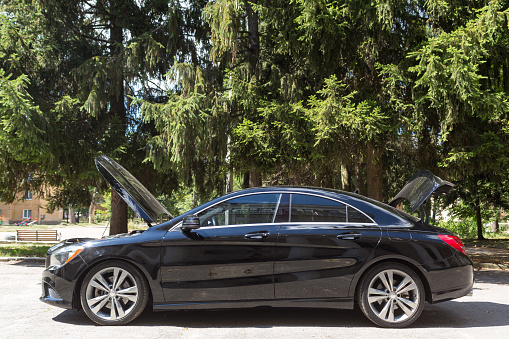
x,y
452,314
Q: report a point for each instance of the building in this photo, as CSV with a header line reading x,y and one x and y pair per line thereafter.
x,y
30,207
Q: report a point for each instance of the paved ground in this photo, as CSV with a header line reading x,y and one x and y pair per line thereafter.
x,y
22,315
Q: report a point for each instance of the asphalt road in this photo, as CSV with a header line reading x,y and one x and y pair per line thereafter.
x,y
22,315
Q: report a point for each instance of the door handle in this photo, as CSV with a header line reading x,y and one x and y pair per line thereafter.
x,y
349,235
257,235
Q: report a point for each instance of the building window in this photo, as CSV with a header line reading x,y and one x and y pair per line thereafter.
x,y
29,195
27,214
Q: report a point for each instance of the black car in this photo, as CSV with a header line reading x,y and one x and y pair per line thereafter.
x,y
268,246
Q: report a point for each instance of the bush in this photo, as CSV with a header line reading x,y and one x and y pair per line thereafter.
x,y
464,229
23,250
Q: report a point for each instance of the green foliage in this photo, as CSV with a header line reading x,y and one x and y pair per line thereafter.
x,y
289,91
335,115
180,201
464,229
24,250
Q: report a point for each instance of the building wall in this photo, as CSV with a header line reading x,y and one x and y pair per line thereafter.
x,y
13,213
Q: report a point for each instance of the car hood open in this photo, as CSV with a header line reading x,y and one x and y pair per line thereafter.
x,y
130,190
420,187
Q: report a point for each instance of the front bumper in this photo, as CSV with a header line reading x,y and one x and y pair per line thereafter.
x,y
55,290
59,285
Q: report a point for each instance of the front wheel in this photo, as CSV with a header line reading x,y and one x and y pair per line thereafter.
x,y
113,293
391,295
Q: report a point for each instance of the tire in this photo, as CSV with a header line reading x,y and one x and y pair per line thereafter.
x,y
391,295
114,293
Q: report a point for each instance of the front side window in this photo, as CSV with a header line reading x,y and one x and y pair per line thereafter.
x,y
250,209
27,214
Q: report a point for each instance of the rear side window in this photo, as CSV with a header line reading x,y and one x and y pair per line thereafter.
x,y
357,216
308,208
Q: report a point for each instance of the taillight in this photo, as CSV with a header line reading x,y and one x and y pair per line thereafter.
x,y
454,242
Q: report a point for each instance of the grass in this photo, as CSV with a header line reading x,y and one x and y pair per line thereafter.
x,y
23,250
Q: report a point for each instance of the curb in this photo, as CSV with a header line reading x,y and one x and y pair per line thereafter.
x,y
22,258
491,266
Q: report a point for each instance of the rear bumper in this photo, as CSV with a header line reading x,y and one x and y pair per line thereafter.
x,y
451,283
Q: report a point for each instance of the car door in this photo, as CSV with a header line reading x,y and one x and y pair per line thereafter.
x,y
229,258
321,247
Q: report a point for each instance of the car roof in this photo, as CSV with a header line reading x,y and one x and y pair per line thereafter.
x,y
382,214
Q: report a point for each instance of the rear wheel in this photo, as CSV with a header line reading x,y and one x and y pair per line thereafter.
x,y
114,293
391,295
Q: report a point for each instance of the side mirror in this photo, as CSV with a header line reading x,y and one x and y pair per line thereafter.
x,y
191,222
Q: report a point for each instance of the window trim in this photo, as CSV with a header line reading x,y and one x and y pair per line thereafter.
x,y
29,214
179,224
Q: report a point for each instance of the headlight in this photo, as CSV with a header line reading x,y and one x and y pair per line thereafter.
x,y
65,254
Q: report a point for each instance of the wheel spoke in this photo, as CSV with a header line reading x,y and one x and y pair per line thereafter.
x,y
406,285
99,282
94,301
408,303
383,312
386,280
113,313
130,293
120,280
405,307
120,309
96,284
116,271
375,295
98,306
391,311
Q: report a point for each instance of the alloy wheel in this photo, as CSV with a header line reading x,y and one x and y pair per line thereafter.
x,y
391,295
113,295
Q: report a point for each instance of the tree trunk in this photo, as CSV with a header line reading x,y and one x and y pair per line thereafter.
x,y
118,222
374,171
480,236
345,178
496,224
245,179
229,174
72,216
91,208
357,178
254,39
254,177
118,115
